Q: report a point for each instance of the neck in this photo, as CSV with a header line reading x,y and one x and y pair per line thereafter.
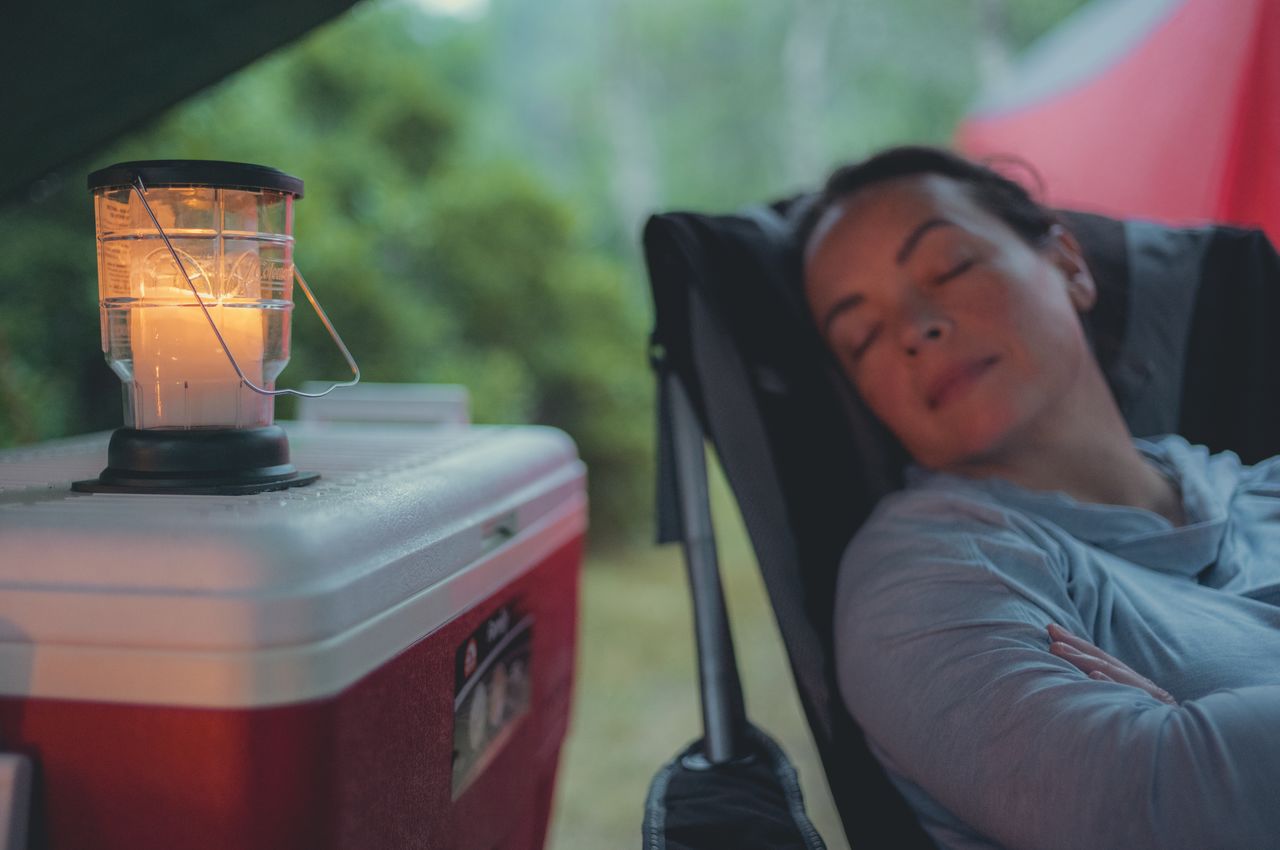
x,y
1090,458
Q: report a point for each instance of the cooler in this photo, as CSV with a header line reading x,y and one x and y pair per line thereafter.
x,y
383,659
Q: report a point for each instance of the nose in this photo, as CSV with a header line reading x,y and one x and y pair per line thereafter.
x,y
922,327
933,332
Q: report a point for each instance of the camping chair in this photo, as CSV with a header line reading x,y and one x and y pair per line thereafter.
x,y
1182,329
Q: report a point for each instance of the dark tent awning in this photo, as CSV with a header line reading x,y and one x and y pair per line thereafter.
x,y
78,73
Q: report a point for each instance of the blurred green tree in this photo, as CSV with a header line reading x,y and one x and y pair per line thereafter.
x,y
475,188
641,105
434,264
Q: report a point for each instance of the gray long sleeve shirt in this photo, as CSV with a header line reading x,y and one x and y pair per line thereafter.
x,y
943,658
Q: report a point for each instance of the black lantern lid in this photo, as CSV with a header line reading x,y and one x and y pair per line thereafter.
x,y
195,172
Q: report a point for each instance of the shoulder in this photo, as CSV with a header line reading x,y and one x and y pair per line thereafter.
x,y
1223,471
938,574
953,522
1174,450
932,549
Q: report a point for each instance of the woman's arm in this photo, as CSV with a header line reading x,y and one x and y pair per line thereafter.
x,y
1099,665
944,662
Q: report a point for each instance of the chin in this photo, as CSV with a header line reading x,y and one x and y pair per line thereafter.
x,y
979,439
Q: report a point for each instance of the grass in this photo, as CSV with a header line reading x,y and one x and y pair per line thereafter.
x,y
636,703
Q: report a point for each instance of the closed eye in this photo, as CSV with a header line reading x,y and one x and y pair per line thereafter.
x,y
955,271
861,349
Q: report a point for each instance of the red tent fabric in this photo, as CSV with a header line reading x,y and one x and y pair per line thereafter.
x,y
1162,109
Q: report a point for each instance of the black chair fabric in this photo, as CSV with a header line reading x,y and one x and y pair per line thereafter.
x,y
807,462
754,803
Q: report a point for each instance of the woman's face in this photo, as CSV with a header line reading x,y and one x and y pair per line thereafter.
x,y
962,338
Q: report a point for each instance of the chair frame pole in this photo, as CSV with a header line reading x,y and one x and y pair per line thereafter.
x,y
723,712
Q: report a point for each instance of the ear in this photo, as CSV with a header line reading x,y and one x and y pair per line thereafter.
x,y
1065,253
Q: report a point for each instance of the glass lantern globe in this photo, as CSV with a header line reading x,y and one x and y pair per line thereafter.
x,y
195,278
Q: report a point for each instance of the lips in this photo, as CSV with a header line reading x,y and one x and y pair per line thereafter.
x,y
955,380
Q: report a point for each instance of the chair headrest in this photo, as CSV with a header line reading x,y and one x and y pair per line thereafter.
x,y
748,267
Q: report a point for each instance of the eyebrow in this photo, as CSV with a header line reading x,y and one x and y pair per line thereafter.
x,y
913,238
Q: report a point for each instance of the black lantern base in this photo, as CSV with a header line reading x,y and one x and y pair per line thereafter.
x,y
216,461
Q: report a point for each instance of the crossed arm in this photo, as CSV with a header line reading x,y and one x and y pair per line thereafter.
x,y
1029,741
1100,666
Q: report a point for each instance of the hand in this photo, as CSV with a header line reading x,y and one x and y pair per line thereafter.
x,y
1098,665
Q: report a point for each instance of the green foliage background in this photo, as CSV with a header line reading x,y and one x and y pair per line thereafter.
x,y
475,188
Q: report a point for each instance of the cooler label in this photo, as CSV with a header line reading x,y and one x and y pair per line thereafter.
x,y
491,690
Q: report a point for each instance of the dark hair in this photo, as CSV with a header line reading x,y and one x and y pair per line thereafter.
x,y
995,193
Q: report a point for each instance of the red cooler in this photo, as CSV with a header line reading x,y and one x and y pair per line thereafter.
x,y
383,659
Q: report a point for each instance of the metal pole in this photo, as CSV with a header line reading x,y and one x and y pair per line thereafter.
x,y
723,713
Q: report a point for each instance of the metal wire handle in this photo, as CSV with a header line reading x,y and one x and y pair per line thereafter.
x,y
140,189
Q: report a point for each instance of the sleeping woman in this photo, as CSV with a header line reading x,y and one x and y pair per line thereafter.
x,y
1056,635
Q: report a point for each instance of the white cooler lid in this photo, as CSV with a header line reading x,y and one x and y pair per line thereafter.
x,y
233,601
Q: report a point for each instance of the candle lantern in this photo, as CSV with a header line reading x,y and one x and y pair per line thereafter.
x,y
195,277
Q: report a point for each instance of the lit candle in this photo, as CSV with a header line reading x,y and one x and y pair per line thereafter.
x,y
181,376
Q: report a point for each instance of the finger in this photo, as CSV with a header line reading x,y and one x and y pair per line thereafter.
x,y
1084,663
1060,634
1080,659
1090,664
1099,665
1126,676
1121,673
1136,681
1145,684
1057,632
